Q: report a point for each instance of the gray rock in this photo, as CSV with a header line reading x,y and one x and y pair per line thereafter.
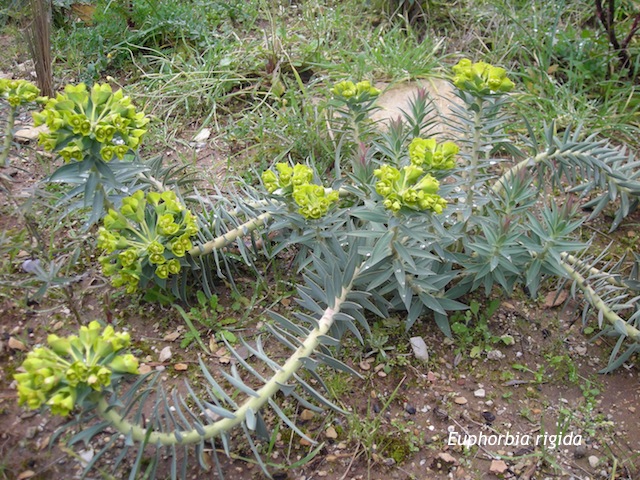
x,y
419,348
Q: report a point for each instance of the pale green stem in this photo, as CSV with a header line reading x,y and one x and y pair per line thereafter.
x,y
8,137
516,169
230,236
241,230
592,270
253,404
475,154
598,303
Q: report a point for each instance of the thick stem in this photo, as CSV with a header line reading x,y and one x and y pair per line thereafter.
x,y
230,236
611,279
598,303
516,169
253,404
8,137
475,153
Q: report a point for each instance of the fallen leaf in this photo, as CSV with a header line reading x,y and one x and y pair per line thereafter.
x,y
26,474
221,352
365,365
555,299
144,368
15,344
447,458
165,354
304,442
460,400
431,377
181,367
498,466
171,337
225,360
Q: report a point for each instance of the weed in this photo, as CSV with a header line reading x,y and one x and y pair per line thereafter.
x,y
539,375
206,314
472,332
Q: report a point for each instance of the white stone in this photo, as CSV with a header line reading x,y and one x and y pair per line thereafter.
x,y
419,348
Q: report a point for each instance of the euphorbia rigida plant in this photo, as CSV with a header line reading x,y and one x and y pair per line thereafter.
x,y
409,222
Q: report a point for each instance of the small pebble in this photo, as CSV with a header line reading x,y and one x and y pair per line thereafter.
x,y
489,417
480,393
593,461
410,409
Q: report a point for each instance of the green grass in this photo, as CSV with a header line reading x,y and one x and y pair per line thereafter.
x,y
256,72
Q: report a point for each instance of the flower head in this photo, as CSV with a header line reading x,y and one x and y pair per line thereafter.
x,y
426,153
73,367
287,177
145,238
313,200
410,188
18,92
359,91
82,121
481,78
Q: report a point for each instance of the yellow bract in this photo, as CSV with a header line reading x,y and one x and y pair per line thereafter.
x,y
56,375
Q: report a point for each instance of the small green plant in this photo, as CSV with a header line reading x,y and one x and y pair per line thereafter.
x,y
207,315
16,93
471,329
539,376
564,366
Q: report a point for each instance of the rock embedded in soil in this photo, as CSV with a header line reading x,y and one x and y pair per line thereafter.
x,y
480,393
593,461
489,417
580,452
419,348
495,355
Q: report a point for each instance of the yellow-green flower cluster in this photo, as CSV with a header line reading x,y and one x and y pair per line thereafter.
x,y
313,200
70,366
481,78
357,91
83,122
147,236
287,179
18,92
426,153
410,188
